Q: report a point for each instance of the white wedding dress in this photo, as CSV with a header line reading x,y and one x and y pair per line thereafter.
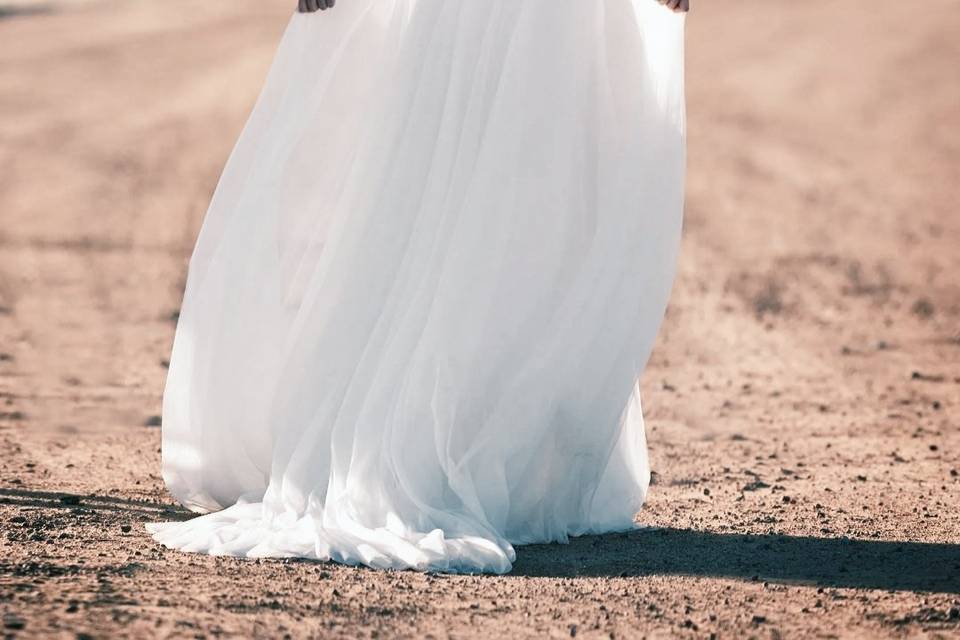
x,y
427,284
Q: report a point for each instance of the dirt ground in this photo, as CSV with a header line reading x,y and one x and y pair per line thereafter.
x,y
803,402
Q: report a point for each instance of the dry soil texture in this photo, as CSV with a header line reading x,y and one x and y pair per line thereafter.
x,y
803,400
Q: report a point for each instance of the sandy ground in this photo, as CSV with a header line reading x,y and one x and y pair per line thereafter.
x,y
802,403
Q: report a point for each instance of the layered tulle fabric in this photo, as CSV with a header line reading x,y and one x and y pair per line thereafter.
x,y
427,284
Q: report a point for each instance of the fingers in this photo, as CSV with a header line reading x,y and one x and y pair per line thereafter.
x,y
309,6
676,5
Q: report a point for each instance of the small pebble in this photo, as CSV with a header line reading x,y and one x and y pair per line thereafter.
x,y
14,624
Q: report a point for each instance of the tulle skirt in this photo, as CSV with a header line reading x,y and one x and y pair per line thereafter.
x,y
427,284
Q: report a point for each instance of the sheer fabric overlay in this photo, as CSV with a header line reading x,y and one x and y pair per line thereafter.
x,y
427,284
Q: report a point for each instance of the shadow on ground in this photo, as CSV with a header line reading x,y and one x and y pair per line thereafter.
x,y
53,500
825,562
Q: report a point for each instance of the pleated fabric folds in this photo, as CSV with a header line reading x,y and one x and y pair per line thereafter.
x,y
427,284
